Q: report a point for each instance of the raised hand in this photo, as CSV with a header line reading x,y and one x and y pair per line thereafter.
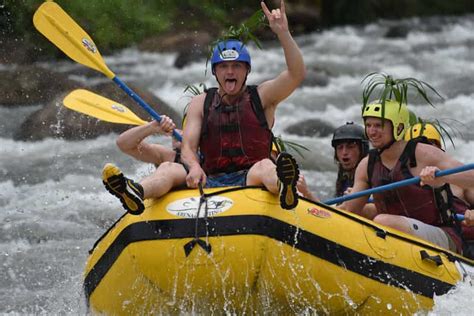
x,y
276,18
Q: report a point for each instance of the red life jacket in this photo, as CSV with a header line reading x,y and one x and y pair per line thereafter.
x,y
413,201
234,137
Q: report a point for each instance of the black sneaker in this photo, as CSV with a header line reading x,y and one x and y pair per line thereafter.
x,y
288,173
128,191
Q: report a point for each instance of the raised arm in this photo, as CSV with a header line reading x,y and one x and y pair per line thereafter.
x,y
190,147
275,90
132,141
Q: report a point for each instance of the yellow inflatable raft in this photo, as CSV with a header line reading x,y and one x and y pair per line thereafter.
x,y
234,250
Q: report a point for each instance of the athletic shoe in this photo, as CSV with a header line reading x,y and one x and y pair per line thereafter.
x,y
128,191
288,173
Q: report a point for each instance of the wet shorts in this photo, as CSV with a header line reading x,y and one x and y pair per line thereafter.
x,y
238,178
431,233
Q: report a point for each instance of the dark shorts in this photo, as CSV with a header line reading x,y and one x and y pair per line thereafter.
x,y
238,178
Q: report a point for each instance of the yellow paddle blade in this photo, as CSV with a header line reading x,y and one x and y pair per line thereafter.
x,y
51,20
94,105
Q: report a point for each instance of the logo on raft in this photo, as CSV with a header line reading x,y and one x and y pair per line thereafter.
x,y
89,45
188,208
319,213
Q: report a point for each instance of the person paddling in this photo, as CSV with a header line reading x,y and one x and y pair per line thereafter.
x,y
451,199
411,209
231,127
133,142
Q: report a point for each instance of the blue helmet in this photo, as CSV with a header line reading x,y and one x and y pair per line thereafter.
x,y
229,50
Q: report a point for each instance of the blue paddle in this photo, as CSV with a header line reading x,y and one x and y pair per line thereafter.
x,y
398,184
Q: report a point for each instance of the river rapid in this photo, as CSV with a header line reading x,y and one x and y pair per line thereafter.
x,y
53,205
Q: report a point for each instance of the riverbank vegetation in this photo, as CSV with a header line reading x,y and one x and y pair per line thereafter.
x,y
120,23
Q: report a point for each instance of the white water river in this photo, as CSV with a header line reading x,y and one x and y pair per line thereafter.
x,y
52,203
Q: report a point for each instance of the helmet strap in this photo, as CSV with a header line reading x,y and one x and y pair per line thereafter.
x,y
380,150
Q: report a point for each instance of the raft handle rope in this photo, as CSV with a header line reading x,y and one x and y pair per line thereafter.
x,y
188,247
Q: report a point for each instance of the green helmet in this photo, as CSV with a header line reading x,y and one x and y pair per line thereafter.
x,y
394,112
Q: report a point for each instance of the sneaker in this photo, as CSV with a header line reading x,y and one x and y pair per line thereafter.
x,y
288,173
128,191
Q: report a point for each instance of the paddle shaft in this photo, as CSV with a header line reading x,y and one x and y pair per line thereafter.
x,y
395,185
142,103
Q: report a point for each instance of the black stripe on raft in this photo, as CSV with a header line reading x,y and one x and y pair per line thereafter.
x,y
266,226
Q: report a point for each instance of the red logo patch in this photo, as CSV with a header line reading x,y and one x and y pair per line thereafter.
x,y
319,213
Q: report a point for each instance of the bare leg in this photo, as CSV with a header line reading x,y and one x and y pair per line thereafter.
x,y
167,176
394,221
264,173
285,173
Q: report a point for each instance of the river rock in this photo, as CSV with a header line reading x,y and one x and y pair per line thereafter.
x,y
29,84
55,120
311,127
315,77
398,31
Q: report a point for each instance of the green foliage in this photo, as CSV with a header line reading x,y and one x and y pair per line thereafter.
x,y
413,118
389,88
115,24
120,23
244,33
195,90
394,89
112,23
444,128
285,145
